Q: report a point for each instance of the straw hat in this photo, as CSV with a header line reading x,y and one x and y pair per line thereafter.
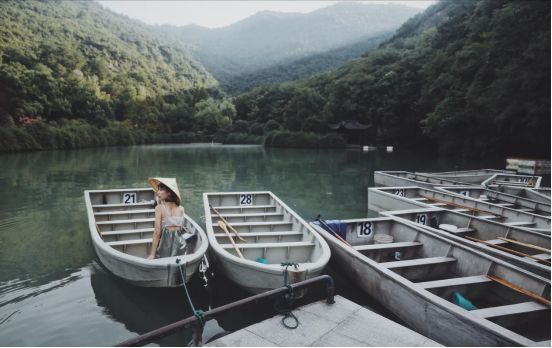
x,y
169,182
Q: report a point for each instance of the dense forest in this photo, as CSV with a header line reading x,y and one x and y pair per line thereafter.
x,y
469,77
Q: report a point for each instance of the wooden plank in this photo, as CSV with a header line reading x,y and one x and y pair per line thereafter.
x,y
130,242
418,262
520,290
532,246
443,283
268,245
386,246
508,250
518,308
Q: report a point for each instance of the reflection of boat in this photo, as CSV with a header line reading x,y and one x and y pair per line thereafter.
x,y
272,234
447,291
401,198
141,310
121,225
519,246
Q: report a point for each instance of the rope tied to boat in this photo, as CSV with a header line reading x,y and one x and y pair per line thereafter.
x,y
198,313
286,311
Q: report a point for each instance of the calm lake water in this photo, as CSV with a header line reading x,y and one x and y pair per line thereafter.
x,y
53,292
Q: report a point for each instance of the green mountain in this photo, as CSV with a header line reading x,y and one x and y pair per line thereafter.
x,y
267,39
469,77
303,67
77,60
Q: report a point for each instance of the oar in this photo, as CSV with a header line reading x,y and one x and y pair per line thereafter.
x,y
536,247
329,229
227,223
508,250
223,227
520,290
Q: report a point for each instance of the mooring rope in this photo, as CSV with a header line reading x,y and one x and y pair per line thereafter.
x,y
286,312
197,313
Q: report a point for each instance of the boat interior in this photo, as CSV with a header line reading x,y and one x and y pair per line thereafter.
x,y
481,209
519,242
125,220
445,270
499,198
271,234
513,180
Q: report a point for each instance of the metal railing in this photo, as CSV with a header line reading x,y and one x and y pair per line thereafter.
x,y
213,313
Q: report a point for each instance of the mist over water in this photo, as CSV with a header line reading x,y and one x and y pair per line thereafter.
x,y
53,291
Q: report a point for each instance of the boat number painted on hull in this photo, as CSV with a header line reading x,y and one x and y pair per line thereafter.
x,y
524,180
246,199
465,193
365,229
421,219
129,197
399,192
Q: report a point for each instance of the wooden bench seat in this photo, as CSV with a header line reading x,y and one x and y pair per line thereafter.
x,y
120,222
125,212
386,246
268,245
123,232
518,308
444,283
129,242
418,262
264,234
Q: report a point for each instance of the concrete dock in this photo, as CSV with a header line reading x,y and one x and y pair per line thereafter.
x,y
343,323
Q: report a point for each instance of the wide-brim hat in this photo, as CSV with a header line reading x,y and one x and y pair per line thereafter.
x,y
169,182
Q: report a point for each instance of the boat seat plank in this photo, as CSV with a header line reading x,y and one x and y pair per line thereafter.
x,y
386,246
244,207
505,204
261,223
524,307
130,242
248,215
443,283
418,262
525,210
119,222
496,241
120,205
268,245
543,257
264,234
520,223
121,232
124,212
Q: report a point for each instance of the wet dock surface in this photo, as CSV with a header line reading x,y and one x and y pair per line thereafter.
x,y
343,323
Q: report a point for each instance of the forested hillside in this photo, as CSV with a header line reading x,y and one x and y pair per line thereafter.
x,y
74,74
470,77
268,39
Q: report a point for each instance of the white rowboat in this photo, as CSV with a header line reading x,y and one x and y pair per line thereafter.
x,y
121,227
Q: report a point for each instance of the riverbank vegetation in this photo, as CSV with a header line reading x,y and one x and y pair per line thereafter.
x,y
470,77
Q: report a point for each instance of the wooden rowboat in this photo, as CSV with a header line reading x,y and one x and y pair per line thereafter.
x,y
419,275
272,234
401,198
121,227
521,247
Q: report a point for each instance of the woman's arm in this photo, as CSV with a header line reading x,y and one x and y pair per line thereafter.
x,y
156,232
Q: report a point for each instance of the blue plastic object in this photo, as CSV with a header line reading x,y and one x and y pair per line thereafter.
x,y
263,261
463,302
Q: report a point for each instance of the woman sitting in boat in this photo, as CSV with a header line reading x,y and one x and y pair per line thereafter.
x,y
169,235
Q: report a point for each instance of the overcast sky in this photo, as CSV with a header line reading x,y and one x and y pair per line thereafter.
x,y
213,14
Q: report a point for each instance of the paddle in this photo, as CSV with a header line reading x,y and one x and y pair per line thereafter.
x,y
508,250
223,227
329,229
520,290
227,223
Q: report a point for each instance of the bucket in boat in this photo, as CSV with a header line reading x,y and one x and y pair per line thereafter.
x,y
382,239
